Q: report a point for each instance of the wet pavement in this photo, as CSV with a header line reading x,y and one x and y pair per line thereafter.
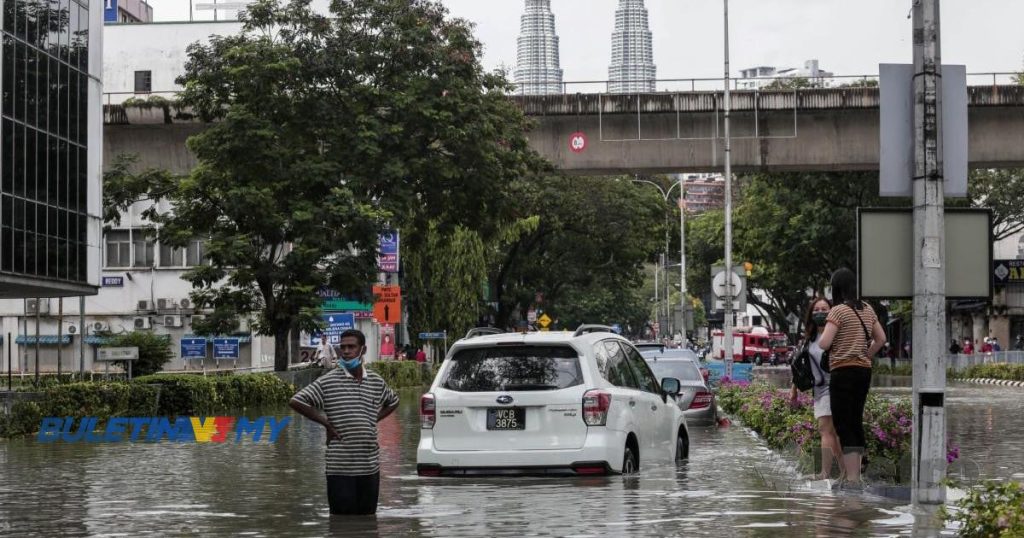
x,y
732,486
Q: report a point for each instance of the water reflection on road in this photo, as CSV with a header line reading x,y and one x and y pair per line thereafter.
x,y
732,486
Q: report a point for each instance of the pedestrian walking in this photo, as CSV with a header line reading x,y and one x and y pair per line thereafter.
x,y
996,348
954,347
814,323
326,356
968,347
986,348
353,400
1019,346
852,335
421,356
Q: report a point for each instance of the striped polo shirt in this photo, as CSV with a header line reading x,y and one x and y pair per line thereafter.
x,y
352,408
849,347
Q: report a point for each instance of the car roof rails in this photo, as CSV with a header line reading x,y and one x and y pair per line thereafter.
x,y
478,331
590,328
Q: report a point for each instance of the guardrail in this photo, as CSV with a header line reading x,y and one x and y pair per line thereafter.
x,y
961,362
676,85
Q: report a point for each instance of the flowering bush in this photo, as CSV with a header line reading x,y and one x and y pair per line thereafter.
x,y
786,424
994,510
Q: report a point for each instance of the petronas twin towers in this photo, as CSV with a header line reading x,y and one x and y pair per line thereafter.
x,y
538,71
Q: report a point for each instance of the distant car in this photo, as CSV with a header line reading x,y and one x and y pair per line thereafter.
x,y
695,398
648,346
548,403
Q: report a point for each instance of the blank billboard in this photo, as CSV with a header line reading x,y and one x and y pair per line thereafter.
x,y
885,253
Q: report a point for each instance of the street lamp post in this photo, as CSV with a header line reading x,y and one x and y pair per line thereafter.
x,y
663,259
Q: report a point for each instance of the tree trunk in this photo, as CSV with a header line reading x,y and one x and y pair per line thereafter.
x,y
281,349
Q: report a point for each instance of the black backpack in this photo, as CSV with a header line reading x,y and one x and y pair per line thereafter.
x,y
803,375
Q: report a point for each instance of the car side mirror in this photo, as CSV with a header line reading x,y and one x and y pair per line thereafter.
x,y
670,385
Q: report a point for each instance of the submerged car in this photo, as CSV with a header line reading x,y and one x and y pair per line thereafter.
x,y
548,403
695,399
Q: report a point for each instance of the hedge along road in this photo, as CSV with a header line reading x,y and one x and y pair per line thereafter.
x,y
731,486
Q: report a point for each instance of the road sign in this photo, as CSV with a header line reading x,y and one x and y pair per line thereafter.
x,y
544,321
388,307
432,336
193,348
225,348
896,137
388,259
1008,271
578,142
107,354
739,290
337,323
531,315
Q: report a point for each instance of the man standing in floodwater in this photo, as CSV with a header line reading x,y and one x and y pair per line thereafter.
x,y
353,401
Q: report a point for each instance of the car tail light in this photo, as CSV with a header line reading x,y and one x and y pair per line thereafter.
x,y
428,414
595,407
701,400
587,469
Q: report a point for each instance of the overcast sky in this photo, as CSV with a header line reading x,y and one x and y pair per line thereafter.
x,y
848,37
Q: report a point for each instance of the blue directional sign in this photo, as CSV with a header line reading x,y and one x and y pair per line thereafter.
x,y
113,281
225,348
388,259
337,323
432,336
193,348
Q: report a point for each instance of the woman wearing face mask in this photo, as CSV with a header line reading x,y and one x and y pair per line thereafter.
x,y
852,336
814,322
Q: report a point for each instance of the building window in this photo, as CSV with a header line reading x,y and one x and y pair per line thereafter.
x,y
143,81
192,255
145,250
119,248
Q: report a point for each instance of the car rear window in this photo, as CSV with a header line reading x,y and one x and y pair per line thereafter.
x,y
508,368
681,370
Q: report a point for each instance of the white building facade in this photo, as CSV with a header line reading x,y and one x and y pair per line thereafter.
x,y
139,280
755,78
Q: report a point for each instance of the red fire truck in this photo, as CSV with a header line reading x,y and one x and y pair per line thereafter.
x,y
750,344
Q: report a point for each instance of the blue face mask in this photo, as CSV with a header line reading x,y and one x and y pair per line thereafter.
x,y
350,364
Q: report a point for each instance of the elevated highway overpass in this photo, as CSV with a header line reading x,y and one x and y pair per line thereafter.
x,y
804,130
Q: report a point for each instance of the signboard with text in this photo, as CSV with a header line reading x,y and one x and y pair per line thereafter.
x,y
225,348
337,323
388,306
193,348
113,281
1008,272
110,11
388,260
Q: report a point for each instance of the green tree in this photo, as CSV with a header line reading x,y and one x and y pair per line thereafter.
x,y
574,234
324,128
1003,192
444,281
154,351
791,83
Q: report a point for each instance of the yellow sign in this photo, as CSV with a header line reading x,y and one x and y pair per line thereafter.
x,y
544,321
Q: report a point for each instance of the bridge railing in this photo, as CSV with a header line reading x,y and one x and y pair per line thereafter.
x,y
710,84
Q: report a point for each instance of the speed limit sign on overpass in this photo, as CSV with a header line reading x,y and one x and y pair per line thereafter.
x,y
578,142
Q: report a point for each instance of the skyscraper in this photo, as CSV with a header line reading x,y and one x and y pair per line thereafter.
x,y
537,68
632,68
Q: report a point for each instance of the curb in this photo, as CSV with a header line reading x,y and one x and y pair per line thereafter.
x,y
988,381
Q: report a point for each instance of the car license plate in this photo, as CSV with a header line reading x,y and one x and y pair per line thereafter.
x,y
506,418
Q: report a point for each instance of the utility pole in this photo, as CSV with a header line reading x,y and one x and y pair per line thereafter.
x,y
727,322
682,258
929,332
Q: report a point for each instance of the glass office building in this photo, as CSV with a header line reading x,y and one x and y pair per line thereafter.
x,y
50,140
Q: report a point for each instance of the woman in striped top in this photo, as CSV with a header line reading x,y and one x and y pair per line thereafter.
x,y
852,335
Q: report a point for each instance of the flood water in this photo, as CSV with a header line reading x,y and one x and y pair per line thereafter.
x,y
732,486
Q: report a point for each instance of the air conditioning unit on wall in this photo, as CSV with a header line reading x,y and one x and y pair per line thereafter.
x,y
166,304
143,323
172,321
185,303
144,306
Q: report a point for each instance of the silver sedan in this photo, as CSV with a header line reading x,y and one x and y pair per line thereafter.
x,y
695,397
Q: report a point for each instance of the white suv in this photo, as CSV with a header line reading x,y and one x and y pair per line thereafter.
x,y
580,403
